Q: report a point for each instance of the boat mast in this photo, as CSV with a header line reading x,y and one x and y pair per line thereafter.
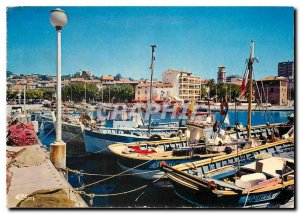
x,y
250,67
151,84
24,97
85,92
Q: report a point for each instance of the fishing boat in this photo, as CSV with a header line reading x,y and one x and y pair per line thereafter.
x,y
177,151
71,128
125,127
222,180
235,180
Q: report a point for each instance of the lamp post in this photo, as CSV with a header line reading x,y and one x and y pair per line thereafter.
x,y
58,19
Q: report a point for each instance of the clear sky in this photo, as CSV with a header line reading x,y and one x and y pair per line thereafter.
x,y
111,40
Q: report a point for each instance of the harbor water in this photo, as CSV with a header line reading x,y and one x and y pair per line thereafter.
x,y
153,195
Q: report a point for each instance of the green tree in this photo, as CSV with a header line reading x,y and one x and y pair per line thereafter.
x,y
76,92
48,94
212,87
118,93
11,94
203,92
118,77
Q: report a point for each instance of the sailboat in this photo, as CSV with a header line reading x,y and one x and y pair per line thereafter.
x,y
239,178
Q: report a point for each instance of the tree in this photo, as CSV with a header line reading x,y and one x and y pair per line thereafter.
x,y
118,93
212,88
118,77
11,94
76,92
9,73
48,94
203,92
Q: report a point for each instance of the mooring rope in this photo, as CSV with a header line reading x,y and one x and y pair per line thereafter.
x,y
47,134
88,154
92,195
107,175
73,137
46,125
116,175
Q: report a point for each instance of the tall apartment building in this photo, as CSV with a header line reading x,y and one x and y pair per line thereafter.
x,y
185,85
286,69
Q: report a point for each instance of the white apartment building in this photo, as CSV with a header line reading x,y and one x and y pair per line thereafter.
x,y
185,86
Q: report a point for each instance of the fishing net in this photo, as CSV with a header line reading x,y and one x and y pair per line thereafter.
x,y
31,156
57,198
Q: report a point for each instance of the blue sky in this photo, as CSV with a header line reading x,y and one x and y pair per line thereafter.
x,y
111,40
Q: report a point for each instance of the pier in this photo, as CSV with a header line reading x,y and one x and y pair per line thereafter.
x,y
34,173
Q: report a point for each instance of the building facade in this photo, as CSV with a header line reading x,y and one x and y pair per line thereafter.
x,y
161,91
272,90
286,69
185,85
233,78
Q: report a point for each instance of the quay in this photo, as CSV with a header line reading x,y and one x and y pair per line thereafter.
x,y
216,107
34,182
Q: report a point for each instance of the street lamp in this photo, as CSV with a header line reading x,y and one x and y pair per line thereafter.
x,y
58,19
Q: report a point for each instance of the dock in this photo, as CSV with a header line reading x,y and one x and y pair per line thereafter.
x,y
30,173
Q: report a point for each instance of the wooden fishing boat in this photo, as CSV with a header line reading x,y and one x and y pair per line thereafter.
x,y
150,154
219,181
229,180
175,151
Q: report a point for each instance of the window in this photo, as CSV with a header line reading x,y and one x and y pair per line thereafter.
x,y
272,90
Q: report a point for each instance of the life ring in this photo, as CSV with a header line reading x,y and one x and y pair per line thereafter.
x,y
155,137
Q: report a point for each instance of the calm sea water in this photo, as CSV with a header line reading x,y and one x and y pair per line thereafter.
x,y
152,196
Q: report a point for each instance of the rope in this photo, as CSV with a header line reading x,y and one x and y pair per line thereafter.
x,y
106,175
92,195
47,134
88,154
246,198
46,125
116,175
73,137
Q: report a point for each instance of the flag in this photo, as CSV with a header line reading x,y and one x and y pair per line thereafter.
x,y
244,83
191,109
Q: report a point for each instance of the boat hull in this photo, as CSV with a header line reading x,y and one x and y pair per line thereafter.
x,y
73,136
96,141
149,169
186,185
205,198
